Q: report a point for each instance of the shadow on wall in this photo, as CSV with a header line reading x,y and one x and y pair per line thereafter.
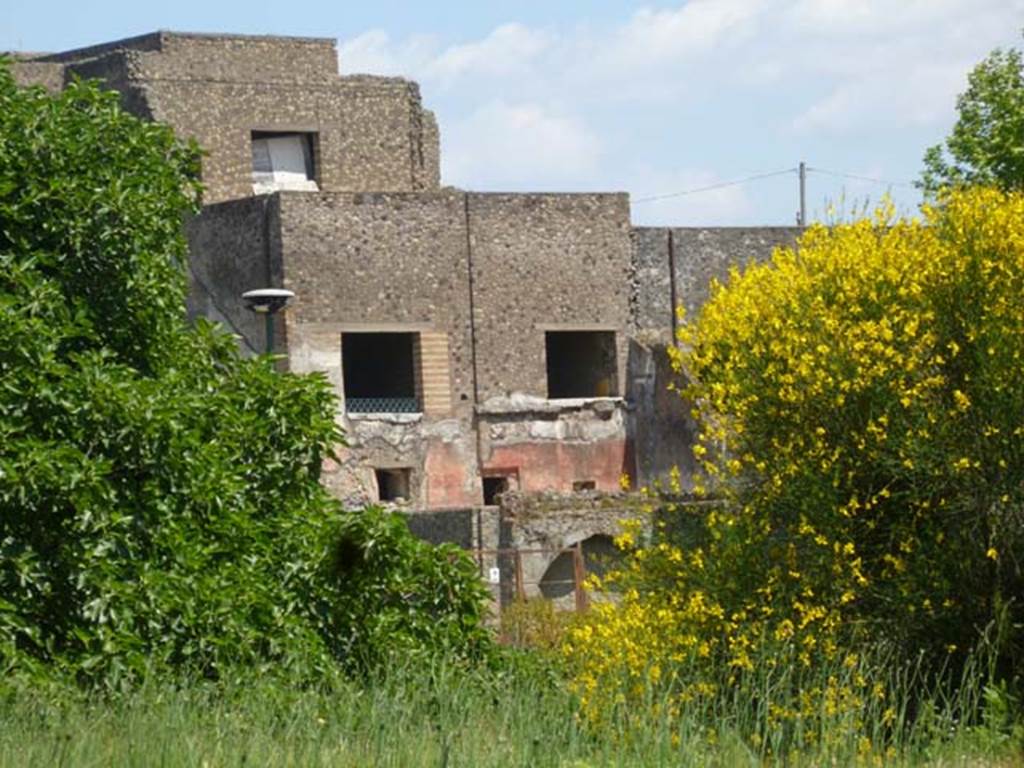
x,y
663,430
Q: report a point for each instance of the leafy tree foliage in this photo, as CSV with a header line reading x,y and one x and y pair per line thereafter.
x,y
160,503
860,401
986,146
399,597
869,391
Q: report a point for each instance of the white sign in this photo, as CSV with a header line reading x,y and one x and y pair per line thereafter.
x,y
495,576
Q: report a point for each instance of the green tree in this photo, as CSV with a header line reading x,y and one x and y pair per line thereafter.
x,y
986,146
399,597
860,402
160,504
159,496
869,391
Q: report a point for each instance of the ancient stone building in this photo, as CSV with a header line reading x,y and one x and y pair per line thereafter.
x,y
227,91
478,342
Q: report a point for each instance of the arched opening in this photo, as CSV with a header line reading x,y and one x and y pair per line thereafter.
x,y
599,554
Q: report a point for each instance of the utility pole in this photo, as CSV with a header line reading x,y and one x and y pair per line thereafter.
x,y
802,216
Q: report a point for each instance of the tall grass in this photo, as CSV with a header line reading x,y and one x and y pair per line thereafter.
x,y
443,714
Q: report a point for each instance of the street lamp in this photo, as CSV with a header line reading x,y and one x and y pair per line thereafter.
x,y
267,302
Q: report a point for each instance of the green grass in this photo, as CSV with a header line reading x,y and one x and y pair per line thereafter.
x,y
439,716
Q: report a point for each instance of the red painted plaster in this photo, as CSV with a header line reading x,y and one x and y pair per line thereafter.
x,y
446,470
555,466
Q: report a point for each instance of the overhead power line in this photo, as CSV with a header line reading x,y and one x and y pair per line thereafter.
x,y
720,185
874,180
801,171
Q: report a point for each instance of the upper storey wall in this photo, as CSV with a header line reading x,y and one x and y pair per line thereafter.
x,y
50,75
371,133
680,263
544,262
239,59
254,58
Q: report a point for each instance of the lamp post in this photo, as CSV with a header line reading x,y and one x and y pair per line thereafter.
x,y
267,302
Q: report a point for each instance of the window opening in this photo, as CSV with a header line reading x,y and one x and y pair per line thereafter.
x,y
581,364
584,485
393,484
493,488
283,160
378,372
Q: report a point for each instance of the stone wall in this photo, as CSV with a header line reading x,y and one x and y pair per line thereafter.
x,y
355,262
452,526
540,263
380,262
403,262
542,525
242,59
372,133
662,428
50,75
235,247
388,262
543,445
652,286
151,41
393,262
547,263
675,266
680,263
478,278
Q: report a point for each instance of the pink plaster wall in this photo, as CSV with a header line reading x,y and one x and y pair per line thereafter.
x,y
448,480
555,466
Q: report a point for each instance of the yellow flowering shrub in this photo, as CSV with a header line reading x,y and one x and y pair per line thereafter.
x,y
862,407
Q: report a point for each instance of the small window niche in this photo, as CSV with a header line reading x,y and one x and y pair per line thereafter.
x,y
493,488
393,484
581,364
283,160
379,372
497,482
582,486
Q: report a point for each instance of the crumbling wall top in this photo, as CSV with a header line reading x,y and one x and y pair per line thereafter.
x,y
195,56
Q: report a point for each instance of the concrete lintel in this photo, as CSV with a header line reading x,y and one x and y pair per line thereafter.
x,y
578,327
285,127
529,404
390,418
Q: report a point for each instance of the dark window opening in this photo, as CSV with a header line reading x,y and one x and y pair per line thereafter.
x,y
283,160
581,364
393,484
378,372
493,488
584,485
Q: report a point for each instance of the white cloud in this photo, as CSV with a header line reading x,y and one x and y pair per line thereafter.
x,y
849,19
374,52
656,55
511,145
589,106
920,97
509,49
884,63
694,28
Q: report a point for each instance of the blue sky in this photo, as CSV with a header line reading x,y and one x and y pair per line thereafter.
x,y
649,98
